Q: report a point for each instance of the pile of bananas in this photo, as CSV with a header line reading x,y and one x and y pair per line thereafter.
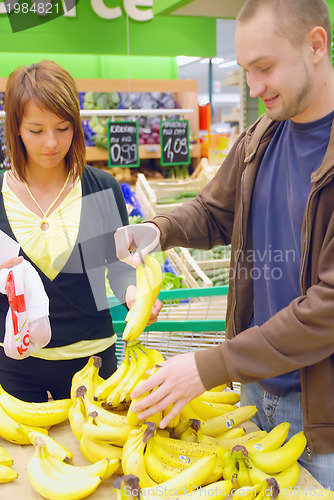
x,y
204,451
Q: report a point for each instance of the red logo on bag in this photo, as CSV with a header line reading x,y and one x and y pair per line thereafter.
x,y
17,305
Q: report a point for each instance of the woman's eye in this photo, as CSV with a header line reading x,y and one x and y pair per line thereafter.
x,y
35,131
63,129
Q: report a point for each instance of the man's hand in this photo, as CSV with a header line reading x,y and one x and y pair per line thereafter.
x,y
176,382
134,242
130,298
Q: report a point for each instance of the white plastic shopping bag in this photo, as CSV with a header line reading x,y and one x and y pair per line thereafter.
x,y
27,321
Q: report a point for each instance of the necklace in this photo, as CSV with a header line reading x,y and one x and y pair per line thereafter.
x,y
44,222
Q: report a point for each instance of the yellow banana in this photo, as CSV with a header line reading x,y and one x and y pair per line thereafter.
x,y
182,426
71,488
53,446
264,489
93,428
233,433
103,468
133,417
5,458
133,461
226,397
243,473
286,478
95,451
271,441
77,414
108,385
154,354
206,411
219,388
136,374
127,487
245,440
217,425
148,278
10,431
186,449
275,461
87,376
111,418
35,414
187,480
158,470
121,394
175,420
7,474
230,468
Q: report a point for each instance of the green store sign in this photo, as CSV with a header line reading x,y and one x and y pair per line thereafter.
x,y
110,27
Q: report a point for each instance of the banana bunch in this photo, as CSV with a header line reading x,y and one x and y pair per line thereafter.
x,y
87,376
33,414
115,391
148,281
269,459
54,479
7,474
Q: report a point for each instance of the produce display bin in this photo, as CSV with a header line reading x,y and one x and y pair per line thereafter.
x,y
153,195
191,319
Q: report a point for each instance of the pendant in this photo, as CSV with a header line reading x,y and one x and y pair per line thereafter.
x,y
44,224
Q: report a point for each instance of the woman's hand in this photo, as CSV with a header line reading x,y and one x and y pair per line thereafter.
x,y
176,382
130,298
15,261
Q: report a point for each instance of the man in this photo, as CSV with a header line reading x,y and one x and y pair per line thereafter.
x,y
273,200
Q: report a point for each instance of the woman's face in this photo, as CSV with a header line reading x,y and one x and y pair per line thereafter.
x,y
46,137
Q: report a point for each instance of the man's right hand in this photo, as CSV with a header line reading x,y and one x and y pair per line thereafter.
x,y
134,242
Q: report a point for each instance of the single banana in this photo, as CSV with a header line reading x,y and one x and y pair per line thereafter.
x,y
77,414
271,441
186,449
186,481
275,461
87,376
245,440
94,451
111,418
127,487
154,354
121,393
10,430
5,458
133,461
158,470
233,433
230,468
226,397
148,278
53,446
94,429
286,478
143,363
219,388
243,473
7,474
217,425
103,468
207,411
189,435
182,426
108,385
72,488
264,489
35,414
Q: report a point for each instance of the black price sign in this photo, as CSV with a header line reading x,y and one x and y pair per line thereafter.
x,y
174,140
123,144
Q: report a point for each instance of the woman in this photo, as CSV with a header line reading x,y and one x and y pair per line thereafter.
x,y
64,215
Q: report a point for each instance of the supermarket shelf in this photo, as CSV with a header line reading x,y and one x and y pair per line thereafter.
x,y
146,151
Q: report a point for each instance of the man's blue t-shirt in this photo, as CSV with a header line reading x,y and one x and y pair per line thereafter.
x,y
280,194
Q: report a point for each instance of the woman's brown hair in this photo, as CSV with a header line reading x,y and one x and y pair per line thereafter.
x,y
51,87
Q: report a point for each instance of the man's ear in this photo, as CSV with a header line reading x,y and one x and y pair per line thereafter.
x,y
318,40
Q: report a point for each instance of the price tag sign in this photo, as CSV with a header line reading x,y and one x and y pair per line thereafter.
x,y
174,141
123,144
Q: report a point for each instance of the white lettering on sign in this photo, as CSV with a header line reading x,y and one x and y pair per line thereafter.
x,y
99,7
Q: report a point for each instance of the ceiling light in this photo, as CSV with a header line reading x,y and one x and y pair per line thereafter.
x,y
184,60
228,64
